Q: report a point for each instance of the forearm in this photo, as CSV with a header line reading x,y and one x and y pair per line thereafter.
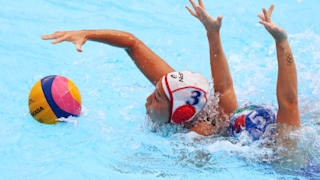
x,y
287,87
149,63
223,84
111,37
219,65
287,76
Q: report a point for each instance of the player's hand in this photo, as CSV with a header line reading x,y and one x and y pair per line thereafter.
x,y
211,24
76,37
277,33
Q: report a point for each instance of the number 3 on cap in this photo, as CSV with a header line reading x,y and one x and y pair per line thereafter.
x,y
195,98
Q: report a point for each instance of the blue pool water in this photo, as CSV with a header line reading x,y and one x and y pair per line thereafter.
x,y
112,139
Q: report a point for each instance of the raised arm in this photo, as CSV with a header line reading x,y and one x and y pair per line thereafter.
x,y
149,63
223,84
287,86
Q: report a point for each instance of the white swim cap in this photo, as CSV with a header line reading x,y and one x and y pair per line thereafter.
x,y
187,92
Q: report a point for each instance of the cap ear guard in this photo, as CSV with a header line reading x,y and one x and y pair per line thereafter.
x,y
187,93
183,114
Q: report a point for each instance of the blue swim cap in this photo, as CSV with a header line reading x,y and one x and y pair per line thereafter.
x,y
254,119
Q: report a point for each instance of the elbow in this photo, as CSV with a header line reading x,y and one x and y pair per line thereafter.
x,y
223,87
288,103
287,98
130,36
133,42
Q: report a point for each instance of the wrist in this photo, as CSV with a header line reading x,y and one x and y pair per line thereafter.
x,y
212,34
280,37
282,42
87,34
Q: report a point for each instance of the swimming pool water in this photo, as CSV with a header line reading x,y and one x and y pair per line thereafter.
x,y
112,139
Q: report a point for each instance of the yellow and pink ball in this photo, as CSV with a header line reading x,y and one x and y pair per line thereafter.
x,y
54,97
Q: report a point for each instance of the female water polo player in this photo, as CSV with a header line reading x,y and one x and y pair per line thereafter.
x,y
179,97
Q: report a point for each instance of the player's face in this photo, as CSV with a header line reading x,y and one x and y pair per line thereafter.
x,y
158,105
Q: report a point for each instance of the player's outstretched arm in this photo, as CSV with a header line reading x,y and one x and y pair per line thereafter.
x,y
287,85
223,84
149,63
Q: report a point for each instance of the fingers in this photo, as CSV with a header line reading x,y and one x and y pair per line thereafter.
x,y
202,12
266,17
60,39
55,35
193,4
270,10
47,36
196,12
264,23
201,4
73,36
203,15
191,12
261,16
79,47
220,19
79,44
